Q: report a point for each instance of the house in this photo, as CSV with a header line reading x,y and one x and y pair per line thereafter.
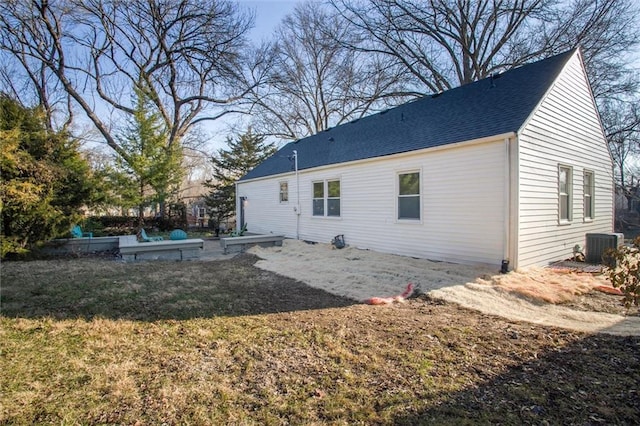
x,y
513,168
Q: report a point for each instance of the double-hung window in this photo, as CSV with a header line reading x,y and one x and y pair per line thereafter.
x,y
409,196
318,198
588,193
565,188
333,198
326,198
284,192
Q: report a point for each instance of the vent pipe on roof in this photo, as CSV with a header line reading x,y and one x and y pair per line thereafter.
x,y
493,79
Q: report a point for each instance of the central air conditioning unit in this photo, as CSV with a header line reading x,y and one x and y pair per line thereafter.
x,y
598,244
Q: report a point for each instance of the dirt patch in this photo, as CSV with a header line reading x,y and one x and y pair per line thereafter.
x,y
598,301
538,295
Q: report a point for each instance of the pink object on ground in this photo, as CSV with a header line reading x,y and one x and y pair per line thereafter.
x,y
389,300
609,290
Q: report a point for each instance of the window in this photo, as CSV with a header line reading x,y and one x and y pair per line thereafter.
x,y
326,198
284,192
318,198
409,195
589,188
333,198
564,193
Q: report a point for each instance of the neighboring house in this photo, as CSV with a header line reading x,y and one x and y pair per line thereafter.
x,y
513,167
197,213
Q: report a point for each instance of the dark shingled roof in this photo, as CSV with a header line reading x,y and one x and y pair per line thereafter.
x,y
488,107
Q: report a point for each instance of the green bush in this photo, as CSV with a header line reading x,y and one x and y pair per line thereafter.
x,y
92,224
125,225
115,221
45,180
110,225
625,272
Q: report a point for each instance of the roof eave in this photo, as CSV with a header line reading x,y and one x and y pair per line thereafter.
x,y
493,138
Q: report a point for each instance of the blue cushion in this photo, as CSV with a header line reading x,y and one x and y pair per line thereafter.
x,y
178,234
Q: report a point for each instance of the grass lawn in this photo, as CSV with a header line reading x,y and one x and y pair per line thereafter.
x,y
95,341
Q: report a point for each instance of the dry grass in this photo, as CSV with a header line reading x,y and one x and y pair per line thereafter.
x,y
101,342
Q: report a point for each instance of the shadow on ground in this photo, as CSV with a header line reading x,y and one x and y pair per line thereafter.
x,y
595,379
150,291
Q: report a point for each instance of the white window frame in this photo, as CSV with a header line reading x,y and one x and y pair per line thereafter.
x,y
283,196
589,195
419,195
565,196
328,197
325,198
315,199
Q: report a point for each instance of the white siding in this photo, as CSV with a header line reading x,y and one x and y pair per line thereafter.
x,y
264,213
565,130
462,190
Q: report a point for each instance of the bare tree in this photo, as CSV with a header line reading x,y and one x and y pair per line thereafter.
x,y
314,81
622,122
607,32
184,55
446,43
29,79
443,43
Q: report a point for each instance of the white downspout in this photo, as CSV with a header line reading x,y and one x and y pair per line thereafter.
x,y
297,207
506,237
237,207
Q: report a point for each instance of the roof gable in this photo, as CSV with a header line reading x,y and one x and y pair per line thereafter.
x,y
488,107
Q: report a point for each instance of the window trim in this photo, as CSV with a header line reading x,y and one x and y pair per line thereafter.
x,y
314,198
417,220
569,195
280,192
591,196
325,198
329,197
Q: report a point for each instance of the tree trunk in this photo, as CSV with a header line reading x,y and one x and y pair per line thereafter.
x,y
141,206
